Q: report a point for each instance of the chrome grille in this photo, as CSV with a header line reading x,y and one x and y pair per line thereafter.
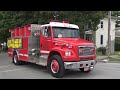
x,y
86,50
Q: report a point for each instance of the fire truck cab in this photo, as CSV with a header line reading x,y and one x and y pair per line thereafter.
x,y
56,45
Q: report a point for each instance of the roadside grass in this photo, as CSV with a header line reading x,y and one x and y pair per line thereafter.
x,y
115,53
114,59
111,59
99,54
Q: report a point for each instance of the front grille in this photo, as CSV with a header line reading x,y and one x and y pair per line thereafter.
x,y
86,50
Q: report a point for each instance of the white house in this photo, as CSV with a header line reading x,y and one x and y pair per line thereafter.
x,y
101,38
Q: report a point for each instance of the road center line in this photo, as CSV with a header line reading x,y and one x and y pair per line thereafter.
x,y
5,66
11,70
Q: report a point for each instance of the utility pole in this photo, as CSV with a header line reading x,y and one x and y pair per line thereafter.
x,y
109,28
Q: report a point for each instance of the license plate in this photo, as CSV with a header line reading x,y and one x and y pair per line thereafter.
x,y
86,69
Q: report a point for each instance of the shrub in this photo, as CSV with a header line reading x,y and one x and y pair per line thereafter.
x,y
102,49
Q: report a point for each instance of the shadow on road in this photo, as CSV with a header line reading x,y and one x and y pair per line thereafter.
x,y
73,73
76,74
34,66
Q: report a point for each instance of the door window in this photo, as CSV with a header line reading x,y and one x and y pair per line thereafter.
x,y
46,32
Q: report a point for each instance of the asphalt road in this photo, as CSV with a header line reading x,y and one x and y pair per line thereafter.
x,y
32,71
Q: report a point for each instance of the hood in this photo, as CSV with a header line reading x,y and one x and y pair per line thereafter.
x,y
74,41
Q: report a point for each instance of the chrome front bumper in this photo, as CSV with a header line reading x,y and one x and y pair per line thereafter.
x,y
72,65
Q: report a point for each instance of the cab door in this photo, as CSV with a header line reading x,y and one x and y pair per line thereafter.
x,y
45,45
45,40
49,39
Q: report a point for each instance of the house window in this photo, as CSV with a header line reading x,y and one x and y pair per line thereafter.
x,y
101,24
101,39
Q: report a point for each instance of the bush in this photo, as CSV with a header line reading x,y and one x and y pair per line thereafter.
x,y
99,49
117,44
102,49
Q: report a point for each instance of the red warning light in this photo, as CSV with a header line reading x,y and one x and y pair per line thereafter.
x,y
65,21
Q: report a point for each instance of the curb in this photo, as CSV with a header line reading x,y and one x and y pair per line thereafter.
x,y
114,61
101,61
108,61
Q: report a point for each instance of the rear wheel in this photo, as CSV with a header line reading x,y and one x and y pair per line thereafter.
x,y
56,66
15,60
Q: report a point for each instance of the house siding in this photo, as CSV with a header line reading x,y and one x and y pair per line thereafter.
x,y
104,31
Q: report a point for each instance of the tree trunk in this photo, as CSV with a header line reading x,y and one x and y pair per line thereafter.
x,y
94,37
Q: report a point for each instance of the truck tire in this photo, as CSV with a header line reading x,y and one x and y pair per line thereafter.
x,y
15,60
82,70
56,66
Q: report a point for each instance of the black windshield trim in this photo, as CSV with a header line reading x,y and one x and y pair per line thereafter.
x,y
67,28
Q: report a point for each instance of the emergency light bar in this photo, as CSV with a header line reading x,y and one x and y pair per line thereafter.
x,y
54,21
59,21
65,21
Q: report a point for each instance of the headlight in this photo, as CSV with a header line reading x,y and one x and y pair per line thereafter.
x,y
67,53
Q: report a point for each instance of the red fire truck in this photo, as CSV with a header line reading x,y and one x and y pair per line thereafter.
x,y
56,45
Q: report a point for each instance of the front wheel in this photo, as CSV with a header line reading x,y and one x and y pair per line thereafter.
x,y
56,66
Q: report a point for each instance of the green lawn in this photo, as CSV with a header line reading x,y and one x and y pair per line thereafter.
x,y
114,59
100,53
111,59
117,53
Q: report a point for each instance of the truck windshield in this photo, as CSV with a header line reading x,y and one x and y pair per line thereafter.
x,y
62,32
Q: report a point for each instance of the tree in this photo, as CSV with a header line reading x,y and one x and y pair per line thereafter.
x,y
117,14
12,19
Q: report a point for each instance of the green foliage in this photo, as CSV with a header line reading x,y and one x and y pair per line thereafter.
x,y
12,19
117,14
102,50
117,44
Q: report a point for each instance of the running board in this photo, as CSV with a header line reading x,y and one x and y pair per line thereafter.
x,y
42,64
43,60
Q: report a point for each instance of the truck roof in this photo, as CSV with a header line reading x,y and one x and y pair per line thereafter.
x,y
60,24
53,24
